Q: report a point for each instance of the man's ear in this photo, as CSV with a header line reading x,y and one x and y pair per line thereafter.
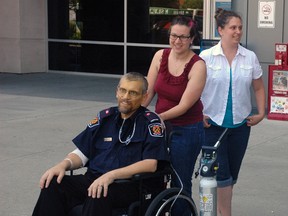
x,y
116,95
144,97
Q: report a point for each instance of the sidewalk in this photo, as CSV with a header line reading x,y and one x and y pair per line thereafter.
x,y
41,113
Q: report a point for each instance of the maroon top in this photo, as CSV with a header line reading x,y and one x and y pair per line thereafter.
x,y
170,90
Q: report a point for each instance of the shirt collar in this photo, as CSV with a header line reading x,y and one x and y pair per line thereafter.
x,y
219,51
134,115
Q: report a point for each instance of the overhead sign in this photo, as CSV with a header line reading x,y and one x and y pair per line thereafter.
x,y
169,11
266,14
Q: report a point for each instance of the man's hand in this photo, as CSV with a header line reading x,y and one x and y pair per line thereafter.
x,y
100,186
58,170
72,161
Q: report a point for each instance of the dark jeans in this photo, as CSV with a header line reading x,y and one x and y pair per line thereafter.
x,y
59,199
184,149
230,152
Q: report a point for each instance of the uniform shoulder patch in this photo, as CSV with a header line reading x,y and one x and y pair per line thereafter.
x,y
94,122
101,115
152,116
156,129
107,112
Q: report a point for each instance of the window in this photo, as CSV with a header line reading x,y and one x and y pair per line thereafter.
x,y
86,20
89,36
150,22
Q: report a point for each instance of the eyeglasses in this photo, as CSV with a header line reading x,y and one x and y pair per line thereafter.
x,y
182,38
123,91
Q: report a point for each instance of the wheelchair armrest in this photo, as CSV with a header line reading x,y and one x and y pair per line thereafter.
x,y
142,176
165,171
147,175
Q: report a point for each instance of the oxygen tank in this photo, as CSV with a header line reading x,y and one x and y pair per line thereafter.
x,y
208,184
208,196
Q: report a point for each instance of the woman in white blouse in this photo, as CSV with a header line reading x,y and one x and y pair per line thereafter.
x,y
231,71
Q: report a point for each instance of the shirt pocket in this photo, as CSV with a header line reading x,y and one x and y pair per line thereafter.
x,y
106,143
214,71
133,151
246,71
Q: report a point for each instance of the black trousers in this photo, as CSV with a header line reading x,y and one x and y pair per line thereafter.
x,y
59,199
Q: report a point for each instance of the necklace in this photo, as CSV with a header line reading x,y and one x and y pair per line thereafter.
x,y
178,68
178,65
128,139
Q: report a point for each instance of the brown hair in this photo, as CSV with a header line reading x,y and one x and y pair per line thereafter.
x,y
222,17
189,22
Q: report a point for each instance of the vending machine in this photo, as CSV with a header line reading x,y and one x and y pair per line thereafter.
x,y
278,84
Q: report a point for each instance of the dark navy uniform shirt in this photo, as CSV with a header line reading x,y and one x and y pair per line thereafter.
x,y
109,142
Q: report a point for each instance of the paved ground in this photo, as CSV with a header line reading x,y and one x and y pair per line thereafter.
x,y
41,113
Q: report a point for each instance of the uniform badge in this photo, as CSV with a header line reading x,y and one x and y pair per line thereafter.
x,y
94,122
107,139
156,130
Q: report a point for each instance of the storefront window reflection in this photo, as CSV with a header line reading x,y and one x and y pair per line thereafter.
x,y
89,36
86,20
75,20
149,22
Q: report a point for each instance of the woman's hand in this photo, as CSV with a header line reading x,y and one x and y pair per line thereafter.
x,y
254,119
205,121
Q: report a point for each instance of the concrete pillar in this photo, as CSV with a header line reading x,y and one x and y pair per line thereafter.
x,y
23,36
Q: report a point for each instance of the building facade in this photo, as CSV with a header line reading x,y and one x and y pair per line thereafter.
x,y
23,40
101,37
117,36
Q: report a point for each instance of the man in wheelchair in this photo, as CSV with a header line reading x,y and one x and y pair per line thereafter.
x,y
119,143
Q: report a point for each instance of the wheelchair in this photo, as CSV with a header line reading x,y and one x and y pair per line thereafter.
x,y
147,193
152,202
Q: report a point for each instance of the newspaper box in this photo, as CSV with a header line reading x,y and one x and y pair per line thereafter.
x,y
278,92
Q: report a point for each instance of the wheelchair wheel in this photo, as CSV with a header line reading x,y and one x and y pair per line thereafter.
x,y
161,205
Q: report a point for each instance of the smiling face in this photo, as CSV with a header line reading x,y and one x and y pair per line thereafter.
x,y
232,32
179,38
130,96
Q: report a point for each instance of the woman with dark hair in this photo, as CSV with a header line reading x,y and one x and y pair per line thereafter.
x,y
177,75
231,72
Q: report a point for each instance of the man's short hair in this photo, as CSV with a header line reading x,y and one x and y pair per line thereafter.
x,y
135,76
